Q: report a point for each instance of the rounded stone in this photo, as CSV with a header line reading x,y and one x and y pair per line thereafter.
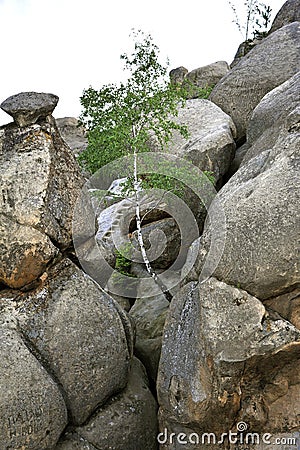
x,y
27,108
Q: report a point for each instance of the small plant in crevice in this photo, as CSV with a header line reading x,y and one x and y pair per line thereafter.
x,y
256,21
187,89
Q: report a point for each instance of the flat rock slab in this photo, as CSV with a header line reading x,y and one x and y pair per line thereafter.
x,y
27,108
40,182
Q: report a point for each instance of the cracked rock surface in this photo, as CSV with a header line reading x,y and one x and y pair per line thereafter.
x,y
40,181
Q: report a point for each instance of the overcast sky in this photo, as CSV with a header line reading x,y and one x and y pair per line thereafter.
x,y
64,46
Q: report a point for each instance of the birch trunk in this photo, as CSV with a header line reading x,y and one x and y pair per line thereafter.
x,y
152,273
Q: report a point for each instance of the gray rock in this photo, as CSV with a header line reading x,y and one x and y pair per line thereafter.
x,y
210,145
27,108
73,134
243,49
71,441
164,236
225,360
287,305
289,12
115,224
177,75
124,302
205,77
270,63
149,314
80,336
40,183
128,421
261,206
32,409
271,117
24,253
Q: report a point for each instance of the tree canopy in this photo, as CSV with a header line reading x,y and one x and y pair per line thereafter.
x,y
120,118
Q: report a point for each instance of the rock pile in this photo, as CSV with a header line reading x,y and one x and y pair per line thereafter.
x,y
224,355
231,341
66,346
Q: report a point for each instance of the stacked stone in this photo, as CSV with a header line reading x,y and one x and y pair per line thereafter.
x,y
66,346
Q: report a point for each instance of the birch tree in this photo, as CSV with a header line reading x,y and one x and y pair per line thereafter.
x,y
120,118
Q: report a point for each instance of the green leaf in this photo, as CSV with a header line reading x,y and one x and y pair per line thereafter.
x,y
120,117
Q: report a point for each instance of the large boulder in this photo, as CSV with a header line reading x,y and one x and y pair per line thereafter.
x,y
29,107
149,314
205,77
77,330
261,207
40,181
71,441
271,116
25,253
163,231
289,12
226,360
210,145
270,63
287,305
177,75
129,420
33,413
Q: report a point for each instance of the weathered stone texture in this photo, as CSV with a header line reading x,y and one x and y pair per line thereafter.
x,y
261,206
128,421
40,182
210,145
270,63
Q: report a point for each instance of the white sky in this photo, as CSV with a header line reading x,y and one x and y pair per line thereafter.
x,y
64,46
